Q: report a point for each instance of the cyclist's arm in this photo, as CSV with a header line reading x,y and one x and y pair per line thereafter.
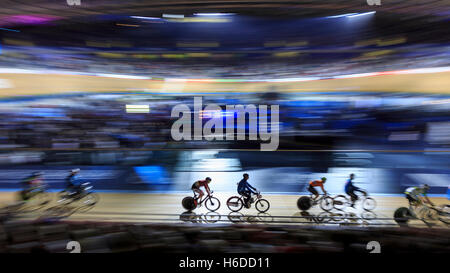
x,y
252,189
207,189
323,189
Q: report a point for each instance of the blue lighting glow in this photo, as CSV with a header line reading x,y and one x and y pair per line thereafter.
x,y
361,14
351,15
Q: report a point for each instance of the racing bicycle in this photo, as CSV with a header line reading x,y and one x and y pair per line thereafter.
x,y
340,202
306,202
211,203
424,213
236,203
85,194
36,196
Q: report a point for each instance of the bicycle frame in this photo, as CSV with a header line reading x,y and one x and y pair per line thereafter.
x,y
317,201
196,197
258,196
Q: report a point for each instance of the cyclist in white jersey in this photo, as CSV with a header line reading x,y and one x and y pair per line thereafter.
x,y
418,195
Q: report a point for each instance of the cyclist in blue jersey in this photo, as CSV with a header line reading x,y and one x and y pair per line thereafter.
x,y
246,190
350,189
73,182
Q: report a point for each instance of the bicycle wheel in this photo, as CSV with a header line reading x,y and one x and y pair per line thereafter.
x,y
368,215
369,204
188,203
64,198
212,204
402,215
58,212
340,202
326,203
235,203
262,205
91,199
304,203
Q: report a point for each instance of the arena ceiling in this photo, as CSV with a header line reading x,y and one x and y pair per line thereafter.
x,y
298,8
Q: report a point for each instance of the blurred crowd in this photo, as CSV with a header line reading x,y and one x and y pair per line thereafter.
x,y
16,237
81,123
241,66
101,121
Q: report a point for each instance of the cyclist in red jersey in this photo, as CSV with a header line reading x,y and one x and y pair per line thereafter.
x,y
317,183
201,183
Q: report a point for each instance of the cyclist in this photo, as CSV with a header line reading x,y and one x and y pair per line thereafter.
x,y
350,189
246,190
413,194
317,183
30,184
74,182
196,188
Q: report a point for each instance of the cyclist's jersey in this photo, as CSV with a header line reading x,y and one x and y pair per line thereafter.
x,y
73,180
201,183
416,191
349,186
244,186
317,183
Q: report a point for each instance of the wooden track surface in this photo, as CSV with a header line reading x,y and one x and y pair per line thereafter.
x,y
25,84
137,207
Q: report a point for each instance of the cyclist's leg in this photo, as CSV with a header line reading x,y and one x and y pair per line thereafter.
x,y
411,200
196,193
71,190
353,196
414,202
247,196
312,190
359,190
200,195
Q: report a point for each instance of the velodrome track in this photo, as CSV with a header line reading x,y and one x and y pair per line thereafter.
x,y
166,208
16,83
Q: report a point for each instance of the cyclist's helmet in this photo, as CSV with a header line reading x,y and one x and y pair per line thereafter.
x,y
75,171
245,175
426,187
208,179
38,173
352,175
324,179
